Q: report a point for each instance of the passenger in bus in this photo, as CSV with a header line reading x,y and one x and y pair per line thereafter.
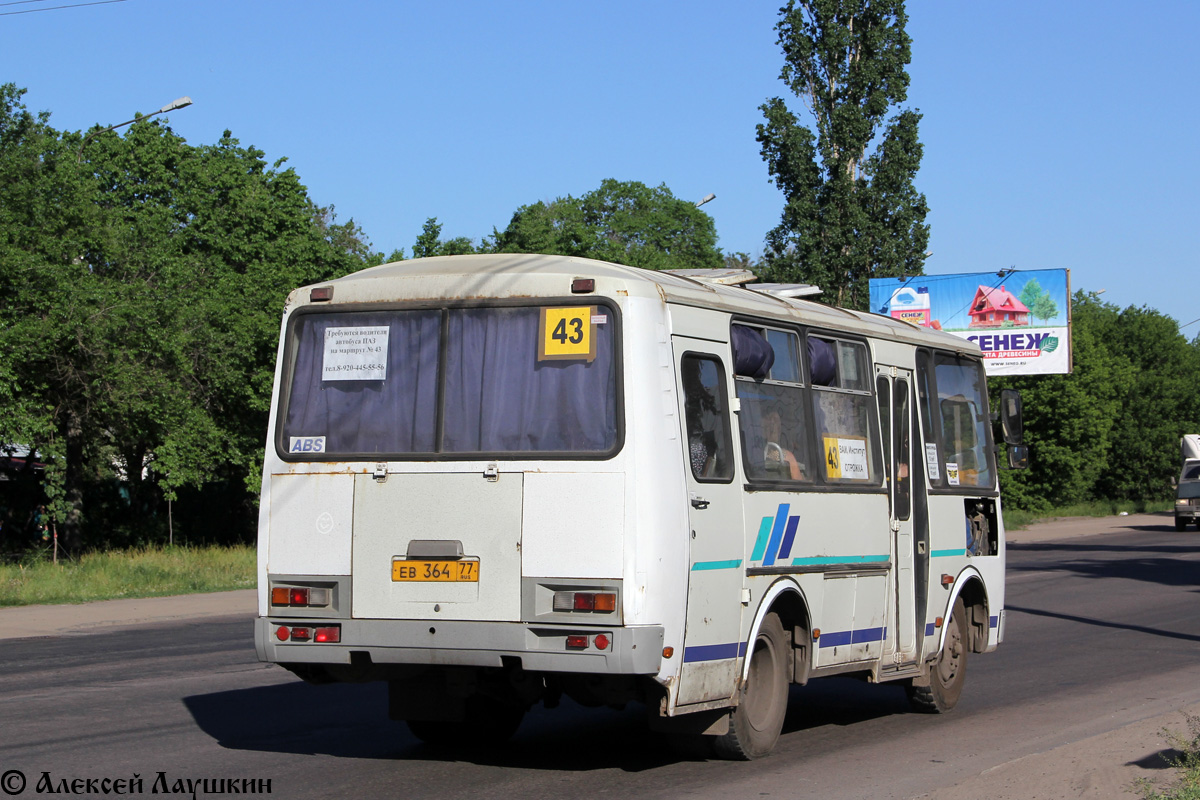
x,y
703,417
776,455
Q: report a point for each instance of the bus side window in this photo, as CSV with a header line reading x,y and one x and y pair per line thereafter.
x,y
842,411
901,448
772,421
707,419
930,455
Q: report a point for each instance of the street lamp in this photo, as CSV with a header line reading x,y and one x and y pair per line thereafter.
x,y
182,102
708,197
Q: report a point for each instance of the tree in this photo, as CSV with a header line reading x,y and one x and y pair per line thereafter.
x,y
1158,403
740,261
145,282
429,243
1110,430
622,222
851,213
1069,419
1039,302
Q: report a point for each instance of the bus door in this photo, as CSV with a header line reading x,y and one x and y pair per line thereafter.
x,y
894,390
716,576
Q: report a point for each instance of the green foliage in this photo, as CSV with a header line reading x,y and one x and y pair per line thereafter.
x,y
138,572
1017,518
1039,302
622,222
740,261
1110,430
430,243
145,279
851,211
1186,760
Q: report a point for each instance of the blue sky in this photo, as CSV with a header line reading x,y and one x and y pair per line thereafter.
x,y
1057,135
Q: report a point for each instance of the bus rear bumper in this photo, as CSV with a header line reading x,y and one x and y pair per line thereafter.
x,y
544,648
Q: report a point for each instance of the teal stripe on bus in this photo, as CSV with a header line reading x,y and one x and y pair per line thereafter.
x,y
800,562
760,544
731,564
954,551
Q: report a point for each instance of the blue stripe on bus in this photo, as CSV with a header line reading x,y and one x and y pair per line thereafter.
x,y
800,562
785,549
776,533
718,652
860,636
869,635
710,652
954,551
993,622
732,563
760,544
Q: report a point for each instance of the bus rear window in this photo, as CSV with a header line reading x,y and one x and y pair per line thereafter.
x,y
451,383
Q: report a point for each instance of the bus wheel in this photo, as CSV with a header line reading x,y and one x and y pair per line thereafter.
x,y
1181,524
487,722
755,724
938,689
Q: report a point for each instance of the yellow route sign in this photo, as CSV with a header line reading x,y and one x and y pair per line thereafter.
x,y
846,458
567,334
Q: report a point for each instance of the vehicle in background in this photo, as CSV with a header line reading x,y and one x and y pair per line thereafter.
x,y
1187,489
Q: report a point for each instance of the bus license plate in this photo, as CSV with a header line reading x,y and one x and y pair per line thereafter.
x,y
450,571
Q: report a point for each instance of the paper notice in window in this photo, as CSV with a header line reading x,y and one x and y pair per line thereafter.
x,y
931,461
952,473
355,354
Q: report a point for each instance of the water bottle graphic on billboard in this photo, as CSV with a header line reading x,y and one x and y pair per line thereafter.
x,y
911,304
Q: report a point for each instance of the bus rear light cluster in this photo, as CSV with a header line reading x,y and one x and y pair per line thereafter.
x,y
582,641
585,601
331,634
301,596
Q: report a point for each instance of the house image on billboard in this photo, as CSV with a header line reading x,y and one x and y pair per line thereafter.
x,y
996,308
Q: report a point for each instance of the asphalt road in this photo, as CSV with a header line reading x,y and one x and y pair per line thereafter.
x,y
1102,631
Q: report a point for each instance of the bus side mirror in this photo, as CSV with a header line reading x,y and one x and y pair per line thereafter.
x,y
1018,456
1010,417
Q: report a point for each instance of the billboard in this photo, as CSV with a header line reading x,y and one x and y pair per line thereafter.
x,y
1020,319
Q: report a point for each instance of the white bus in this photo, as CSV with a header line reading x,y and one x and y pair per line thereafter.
x,y
493,480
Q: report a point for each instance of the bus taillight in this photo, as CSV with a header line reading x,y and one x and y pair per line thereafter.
x,y
585,601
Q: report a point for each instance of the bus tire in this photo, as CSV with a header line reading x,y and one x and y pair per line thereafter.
x,y
487,722
1181,524
938,690
755,724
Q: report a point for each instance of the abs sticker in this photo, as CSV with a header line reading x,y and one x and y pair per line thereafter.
x,y
567,334
306,444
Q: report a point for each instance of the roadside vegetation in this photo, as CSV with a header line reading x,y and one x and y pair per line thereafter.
x,y
137,572
1017,518
1186,759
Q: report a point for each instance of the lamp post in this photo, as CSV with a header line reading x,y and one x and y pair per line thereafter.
x,y
708,197
182,102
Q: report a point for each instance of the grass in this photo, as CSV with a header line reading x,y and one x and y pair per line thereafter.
x,y
160,571
139,572
1015,519
1186,760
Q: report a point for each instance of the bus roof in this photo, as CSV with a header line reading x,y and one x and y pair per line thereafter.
x,y
519,275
